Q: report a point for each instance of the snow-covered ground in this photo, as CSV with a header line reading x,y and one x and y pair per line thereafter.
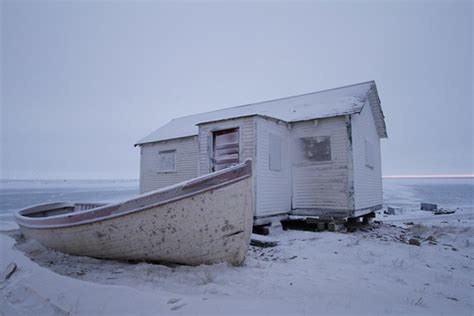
x,y
371,271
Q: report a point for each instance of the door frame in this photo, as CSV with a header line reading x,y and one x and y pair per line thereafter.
x,y
213,145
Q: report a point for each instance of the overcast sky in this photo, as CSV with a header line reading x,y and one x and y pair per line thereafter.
x,y
81,82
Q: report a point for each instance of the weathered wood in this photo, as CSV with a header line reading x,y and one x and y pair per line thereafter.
x,y
353,220
186,163
367,172
339,213
149,200
367,218
370,215
11,268
261,230
263,243
298,224
203,221
428,207
348,181
316,224
335,226
390,211
351,224
273,189
314,220
414,242
443,212
320,188
321,226
308,224
332,226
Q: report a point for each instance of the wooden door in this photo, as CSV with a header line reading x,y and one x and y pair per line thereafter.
x,y
312,156
225,149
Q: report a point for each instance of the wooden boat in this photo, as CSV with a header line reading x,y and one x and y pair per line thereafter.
x,y
201,221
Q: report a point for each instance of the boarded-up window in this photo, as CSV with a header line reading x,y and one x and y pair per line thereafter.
x,y
226,148
316,148
369,154
274,152
167,161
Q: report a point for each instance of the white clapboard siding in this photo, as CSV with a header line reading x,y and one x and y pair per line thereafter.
x,y
321,185
367,180
246,127
186,163
273,187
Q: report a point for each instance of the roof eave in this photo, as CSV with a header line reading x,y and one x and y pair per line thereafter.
x,y
163,140
379,117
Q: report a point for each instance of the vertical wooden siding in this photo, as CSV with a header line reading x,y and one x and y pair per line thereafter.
x,y
246,127
367,181
273,187
186,163
321,185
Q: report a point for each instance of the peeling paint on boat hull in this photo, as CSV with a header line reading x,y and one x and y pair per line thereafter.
x,y
208,227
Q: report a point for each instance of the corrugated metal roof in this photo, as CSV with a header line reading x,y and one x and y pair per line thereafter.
x,y
327,103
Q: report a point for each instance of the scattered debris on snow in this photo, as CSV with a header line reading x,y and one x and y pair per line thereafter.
x,y
262,241
443,211
428,207
11,268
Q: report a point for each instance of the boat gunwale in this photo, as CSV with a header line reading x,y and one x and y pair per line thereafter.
x,y
237,172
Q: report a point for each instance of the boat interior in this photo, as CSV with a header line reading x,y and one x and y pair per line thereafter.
x,y
53,209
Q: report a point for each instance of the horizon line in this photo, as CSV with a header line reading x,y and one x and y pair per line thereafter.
x,y
69,179
409,176
429,176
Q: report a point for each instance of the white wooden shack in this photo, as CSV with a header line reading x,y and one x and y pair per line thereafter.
x,y
313,154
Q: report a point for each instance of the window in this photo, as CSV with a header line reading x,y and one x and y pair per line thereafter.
x,y
167,161
316,148
369,154
274,145
226,148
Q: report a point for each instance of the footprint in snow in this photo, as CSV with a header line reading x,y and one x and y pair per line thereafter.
x,y
173,300
174,308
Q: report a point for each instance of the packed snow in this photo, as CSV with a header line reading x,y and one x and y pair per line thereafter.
x,y
375,270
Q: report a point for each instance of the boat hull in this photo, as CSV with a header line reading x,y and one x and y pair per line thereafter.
x,y
210,226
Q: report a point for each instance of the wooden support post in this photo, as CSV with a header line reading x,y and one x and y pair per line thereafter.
x,y
333,226
351,224
352,220
367,218
261,230
321,226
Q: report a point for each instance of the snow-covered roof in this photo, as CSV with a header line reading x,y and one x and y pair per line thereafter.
x,y
328,103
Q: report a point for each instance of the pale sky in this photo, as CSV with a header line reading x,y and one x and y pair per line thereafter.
x,y
81,82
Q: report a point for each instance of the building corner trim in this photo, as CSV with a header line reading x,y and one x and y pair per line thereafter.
x,y
350,165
